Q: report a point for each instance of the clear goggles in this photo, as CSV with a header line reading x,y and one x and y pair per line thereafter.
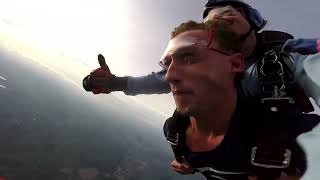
x,y
185,51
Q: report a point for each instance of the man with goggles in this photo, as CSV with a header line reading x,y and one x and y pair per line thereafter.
x,y
244,20
189,50
246,27
218,125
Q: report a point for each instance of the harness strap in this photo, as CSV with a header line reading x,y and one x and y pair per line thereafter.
x,y
271,154
175,134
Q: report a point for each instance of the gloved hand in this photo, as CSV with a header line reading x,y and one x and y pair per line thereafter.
x,y
101,80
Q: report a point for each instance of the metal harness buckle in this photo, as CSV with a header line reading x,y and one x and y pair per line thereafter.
x,y
272,77
173,138
283,163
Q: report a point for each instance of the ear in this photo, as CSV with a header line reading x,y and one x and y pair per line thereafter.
x,y
237,63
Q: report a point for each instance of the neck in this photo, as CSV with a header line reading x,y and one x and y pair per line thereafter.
x,y
215,121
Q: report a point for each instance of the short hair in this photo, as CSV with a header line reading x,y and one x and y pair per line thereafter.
x,y
188,26
223,35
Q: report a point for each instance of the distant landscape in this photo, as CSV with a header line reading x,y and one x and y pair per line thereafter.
x,y
51,129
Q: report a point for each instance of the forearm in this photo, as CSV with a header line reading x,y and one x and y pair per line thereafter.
x,y
302,46
150,84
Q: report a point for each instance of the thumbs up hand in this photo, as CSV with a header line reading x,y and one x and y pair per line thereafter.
x,y
100,79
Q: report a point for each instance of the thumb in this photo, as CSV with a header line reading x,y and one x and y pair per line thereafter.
x,y
103,63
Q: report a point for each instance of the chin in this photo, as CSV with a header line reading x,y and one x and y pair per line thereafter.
x,y
184,110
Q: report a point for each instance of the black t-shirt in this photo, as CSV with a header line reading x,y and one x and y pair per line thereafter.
x,y
230,160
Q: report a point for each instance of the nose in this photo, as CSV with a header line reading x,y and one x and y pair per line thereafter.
x,y
174,73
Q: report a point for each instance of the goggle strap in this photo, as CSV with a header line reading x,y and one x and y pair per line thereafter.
x,y
211,33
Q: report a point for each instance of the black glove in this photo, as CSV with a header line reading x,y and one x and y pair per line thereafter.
x,y
101,80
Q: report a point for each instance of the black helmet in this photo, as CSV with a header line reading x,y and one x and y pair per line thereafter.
x,y
253,16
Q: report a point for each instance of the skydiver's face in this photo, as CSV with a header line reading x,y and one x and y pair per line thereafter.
x,y
198,76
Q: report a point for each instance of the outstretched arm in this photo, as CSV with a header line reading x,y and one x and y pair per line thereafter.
x,y
302,46
102,80
150,84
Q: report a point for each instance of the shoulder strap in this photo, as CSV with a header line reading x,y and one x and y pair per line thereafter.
x,y
271,39
174,130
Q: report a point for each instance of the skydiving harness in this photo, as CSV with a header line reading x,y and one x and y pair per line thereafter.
x,y
271,151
